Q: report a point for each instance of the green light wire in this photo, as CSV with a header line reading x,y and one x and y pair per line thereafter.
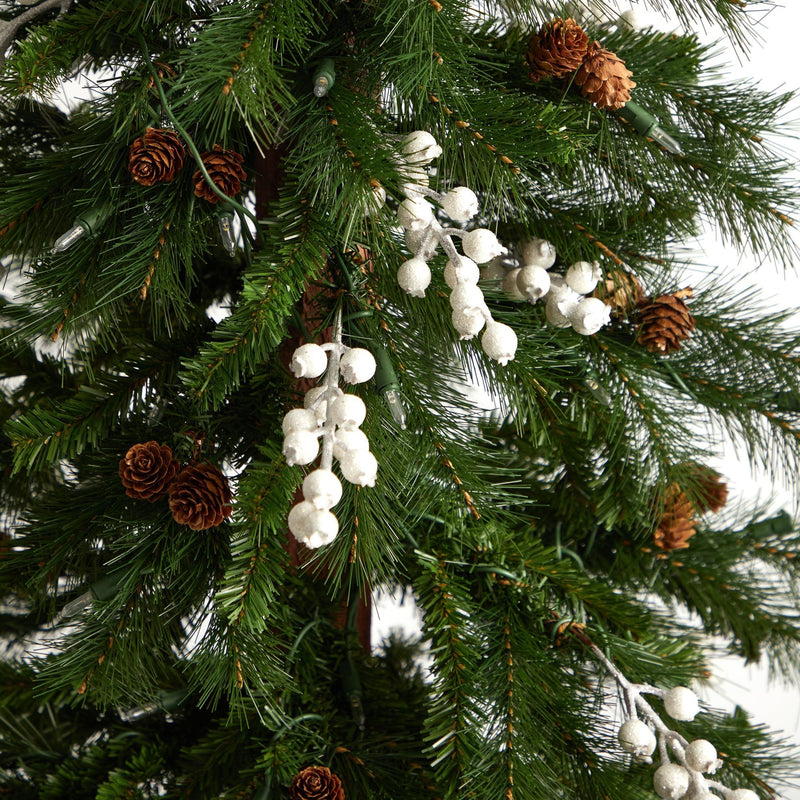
x,y
192,147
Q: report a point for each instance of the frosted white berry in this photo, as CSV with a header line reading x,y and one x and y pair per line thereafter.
x,y
419,147
308,361
322,489
468,322
298,519
559,306
481,245
671,781
701,756
466,271
374,201
414,277
582,276
348,410
347,440
681,703
415,213
357,365
636,737
460,204
631,19
300,447
299,419
510,288
589,315
321,528
494,271
533,283
537,253
359,467
742,794
499,342
466,296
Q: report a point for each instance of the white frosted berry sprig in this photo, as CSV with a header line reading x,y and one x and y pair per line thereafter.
x,y
685,765
424,234
329,424
527,277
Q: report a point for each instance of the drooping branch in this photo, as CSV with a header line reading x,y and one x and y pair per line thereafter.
x,y
10,28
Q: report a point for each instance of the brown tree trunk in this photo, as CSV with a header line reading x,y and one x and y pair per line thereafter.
x,y
269,177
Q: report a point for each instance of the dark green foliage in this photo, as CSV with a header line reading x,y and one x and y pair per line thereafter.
x,y
140,658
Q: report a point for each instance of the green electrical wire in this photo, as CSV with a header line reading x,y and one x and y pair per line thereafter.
x,y
191,145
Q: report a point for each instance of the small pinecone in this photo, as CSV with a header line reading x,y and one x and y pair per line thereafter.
x,y
622,291
156,157
676,526
712,491
603,78
147,470
200,497
316,783
225,169
665,322
557,50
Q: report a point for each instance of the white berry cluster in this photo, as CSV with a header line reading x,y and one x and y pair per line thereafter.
x,y
424,233
682,779
567,303
329,422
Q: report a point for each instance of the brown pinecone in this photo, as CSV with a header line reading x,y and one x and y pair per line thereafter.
x,y
603,78
677,522
665,322
200,497
622,291
711,493
557,50
147,470
156,157
316,783
225,169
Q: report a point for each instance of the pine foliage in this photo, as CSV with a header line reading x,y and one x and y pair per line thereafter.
x,y
141,658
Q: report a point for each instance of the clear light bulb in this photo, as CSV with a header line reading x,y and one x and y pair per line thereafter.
x,y
321,86
324,77
647,125
225,226
66,240
396,408
661,137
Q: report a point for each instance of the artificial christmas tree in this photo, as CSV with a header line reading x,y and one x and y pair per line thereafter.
x,y
289,262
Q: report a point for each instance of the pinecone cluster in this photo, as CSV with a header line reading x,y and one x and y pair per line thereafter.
x,y
158,155
199,494
561,47
316,783
678,520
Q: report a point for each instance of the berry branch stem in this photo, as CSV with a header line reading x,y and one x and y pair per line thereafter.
x,y
331,390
